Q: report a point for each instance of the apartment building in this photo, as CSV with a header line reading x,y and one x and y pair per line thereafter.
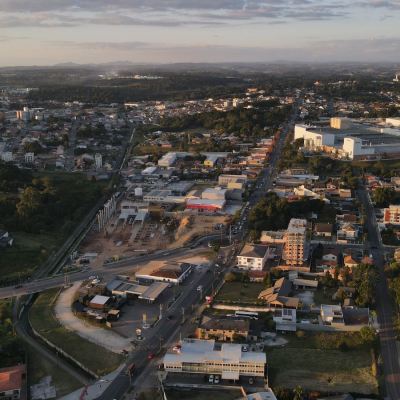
x,y
295,251
253,257
392,215
223,328
208,357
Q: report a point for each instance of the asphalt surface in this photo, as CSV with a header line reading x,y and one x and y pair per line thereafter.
x,y
384,309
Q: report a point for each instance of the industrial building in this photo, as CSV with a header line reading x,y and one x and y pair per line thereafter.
x,y
206,205
167,160
198,356
214,194
232,181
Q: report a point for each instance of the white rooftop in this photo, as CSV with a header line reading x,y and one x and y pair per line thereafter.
x,y
297,226
99,299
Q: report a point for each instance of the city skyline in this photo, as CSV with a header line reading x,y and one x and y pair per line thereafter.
x,y
51,32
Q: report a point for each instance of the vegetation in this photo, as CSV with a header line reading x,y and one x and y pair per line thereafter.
x,y
240,292
12,351
94,357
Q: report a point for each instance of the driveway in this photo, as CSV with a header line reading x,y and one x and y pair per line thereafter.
x,y
105,338
306,297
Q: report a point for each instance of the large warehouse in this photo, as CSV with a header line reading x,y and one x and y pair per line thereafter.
x,y
205,204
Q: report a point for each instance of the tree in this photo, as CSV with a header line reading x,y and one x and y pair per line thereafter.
x,y
281,393
30,201
299,393
245,277
301,305
366,292
267,281
367,333
345,273
216,248
229,277
238,338
384,196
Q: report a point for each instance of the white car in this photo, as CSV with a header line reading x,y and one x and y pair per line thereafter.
x,y
93,277
216,379
245,349
94,281
199,287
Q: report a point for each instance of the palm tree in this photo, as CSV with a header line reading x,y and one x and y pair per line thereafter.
x,y
299,393
311,305
301,304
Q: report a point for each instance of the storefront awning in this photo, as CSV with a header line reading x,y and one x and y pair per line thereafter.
x,y
230,375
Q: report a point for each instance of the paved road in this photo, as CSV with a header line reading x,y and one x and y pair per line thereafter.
x,y
390,359
21,331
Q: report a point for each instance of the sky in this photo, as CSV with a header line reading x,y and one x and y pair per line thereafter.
x,y
47,32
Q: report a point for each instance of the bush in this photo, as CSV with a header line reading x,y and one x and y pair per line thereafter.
x,y
301,334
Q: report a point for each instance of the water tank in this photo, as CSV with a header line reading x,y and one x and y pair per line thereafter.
x,y
138,191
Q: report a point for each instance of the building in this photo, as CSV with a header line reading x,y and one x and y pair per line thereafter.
x,y
393,121
322,229
98,160
167,160
391,215
214,194
347,232
208,357
210,161
223,328
157,195
253,257
99,301
13,382
313,139
353,148
279,295
7,156
5,239
232,181
164,271
268,394
341,123
29,158
273,236
206,205
296,250
26,114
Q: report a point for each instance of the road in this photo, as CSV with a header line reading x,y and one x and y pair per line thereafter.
x,y
390,358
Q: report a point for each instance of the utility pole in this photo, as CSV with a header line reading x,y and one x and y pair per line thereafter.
x,y
160,338
183,313
161,308
201,292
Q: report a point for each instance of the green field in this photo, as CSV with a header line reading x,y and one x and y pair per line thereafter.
x,y
96,358
239,291
39,367
300,363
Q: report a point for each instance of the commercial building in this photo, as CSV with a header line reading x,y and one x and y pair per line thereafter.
x,y
29,158
223,328
99,301
172,272
393,121
391,215
341,123
313,139
233,181
214,194
167,160
157,195
7,156
208,357
295,250
207,205
353,148
13,382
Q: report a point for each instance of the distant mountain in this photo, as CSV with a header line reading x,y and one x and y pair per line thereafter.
x,y
112,63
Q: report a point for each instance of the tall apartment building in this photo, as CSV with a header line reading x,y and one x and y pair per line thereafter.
x,y
296,250
392,215
98,159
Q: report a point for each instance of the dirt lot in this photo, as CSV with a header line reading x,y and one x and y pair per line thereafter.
x,y
123,241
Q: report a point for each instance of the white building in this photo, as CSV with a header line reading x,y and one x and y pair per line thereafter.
x,y
214,194
29,158
98,159
7,156
341,123
233,181
207,357
253,257
353,147
393,121
313,140
167,160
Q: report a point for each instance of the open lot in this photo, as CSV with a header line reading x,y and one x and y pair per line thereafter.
x,y
239,291
94,357
39,367
176,394
316,297
298,362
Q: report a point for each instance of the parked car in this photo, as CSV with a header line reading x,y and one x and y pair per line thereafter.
x,y
177,347
17,286
123,351
95,281
251,381
211,379
216,380
93,277
199,288
151,356
245,349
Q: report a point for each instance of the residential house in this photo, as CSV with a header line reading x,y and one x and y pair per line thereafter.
x,y
349,261
257,276
5,239
322,229
347,232
13,382
223,328
278,295
330,254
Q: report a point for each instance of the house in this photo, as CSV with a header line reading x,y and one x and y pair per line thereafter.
x,y
253,257
257,276
278,295
5,240
332,314
330,254
323,229
266,395
348,231
349,261
223,328
305,284
12,382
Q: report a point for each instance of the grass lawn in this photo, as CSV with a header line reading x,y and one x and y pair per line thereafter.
x,y
298,362
320,298
220,242
236,290
94,357
39,367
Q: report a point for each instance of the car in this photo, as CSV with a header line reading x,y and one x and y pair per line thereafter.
x,y
93,277
170,317
89,286
123,351
205,378
211,379
245,349
199,287
166,254
151,356
170,286
138,372
177,347
216,380
17,286
251,381
94,281
219,256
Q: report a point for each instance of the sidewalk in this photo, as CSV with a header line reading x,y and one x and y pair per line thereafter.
x,y
96,388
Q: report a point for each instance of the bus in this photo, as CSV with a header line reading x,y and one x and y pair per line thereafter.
x,y
129,369
246,314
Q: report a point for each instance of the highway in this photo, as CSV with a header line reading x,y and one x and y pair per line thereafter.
x,y
390,356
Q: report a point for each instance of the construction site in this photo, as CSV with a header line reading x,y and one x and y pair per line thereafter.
x,y
131,228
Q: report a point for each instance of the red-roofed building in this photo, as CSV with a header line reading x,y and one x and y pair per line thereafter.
x,y
257,276
12,381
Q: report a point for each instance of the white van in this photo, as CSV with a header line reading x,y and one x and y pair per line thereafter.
x,y
211,379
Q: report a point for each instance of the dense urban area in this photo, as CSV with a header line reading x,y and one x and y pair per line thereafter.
x,y
191,232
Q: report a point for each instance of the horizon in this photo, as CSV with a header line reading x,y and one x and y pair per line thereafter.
x,y
183,31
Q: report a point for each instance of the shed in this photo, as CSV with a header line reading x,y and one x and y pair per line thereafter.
x,y
99,301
